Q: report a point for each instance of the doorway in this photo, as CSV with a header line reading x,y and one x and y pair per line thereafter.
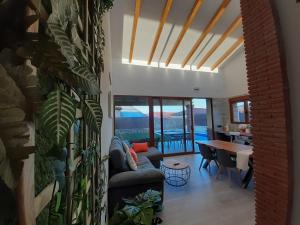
x,y
173,125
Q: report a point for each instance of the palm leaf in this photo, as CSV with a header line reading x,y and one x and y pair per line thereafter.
x,y
93,114
58,115
86,80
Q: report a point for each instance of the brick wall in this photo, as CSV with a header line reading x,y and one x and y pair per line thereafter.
x,y
268,90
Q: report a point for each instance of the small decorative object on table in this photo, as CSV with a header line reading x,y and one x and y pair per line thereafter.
x,y
177,173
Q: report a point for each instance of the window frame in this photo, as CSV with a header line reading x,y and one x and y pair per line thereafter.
x,y
238,99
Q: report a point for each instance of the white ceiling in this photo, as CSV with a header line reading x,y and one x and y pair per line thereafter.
x,y
122,20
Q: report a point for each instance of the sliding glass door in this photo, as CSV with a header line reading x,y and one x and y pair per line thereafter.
x,y
171,124
203,121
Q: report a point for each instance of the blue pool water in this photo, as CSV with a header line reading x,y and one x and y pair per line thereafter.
x,y
200,137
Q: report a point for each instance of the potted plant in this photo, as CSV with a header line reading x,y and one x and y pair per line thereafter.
x,y
140,210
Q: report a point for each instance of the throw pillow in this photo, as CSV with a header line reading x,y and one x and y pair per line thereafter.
x,y
130,160
134,155
140,147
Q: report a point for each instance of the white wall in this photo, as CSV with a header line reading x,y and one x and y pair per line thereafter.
x,y
235,75
221,113
107,124
151,81
289,14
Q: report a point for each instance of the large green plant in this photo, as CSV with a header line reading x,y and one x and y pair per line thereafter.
x,y
60,56
139,210
70,81
58,115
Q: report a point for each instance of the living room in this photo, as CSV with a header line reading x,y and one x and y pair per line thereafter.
x,y
155,94
177,109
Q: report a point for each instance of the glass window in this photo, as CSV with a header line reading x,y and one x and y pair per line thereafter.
x,y
239,112
240,109
132,118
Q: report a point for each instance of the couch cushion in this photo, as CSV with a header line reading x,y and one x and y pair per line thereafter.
x,y
133,154
117,157
140,147
138,177
144,163
131,163
116,142
153,154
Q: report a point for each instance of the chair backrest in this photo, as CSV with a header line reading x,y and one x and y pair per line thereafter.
x,y
224,159
222,137
205,151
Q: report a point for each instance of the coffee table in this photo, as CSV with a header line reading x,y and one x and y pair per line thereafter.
x,y
177,173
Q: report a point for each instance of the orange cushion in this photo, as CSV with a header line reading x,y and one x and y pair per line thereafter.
x,y
140,147
133,154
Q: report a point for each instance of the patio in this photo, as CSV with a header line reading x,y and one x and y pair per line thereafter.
x,y
173,140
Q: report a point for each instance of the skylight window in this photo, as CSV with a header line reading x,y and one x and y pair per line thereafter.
x,y
171,66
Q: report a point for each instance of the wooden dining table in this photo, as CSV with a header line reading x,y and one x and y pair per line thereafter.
x,y
231,148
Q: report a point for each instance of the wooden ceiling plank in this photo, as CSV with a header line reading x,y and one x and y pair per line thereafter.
x,y
134,27
196,7
162,22
233,26
212,23
235,45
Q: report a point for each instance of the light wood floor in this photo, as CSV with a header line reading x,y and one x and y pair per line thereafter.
x,y
207,201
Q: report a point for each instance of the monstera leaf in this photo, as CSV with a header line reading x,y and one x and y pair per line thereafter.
x,y
58,115
93,114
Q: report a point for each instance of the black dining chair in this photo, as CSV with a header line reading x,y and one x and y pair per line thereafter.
x,y
223,137
207,154
226,161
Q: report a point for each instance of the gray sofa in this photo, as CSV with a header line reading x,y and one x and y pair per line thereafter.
x,y
125,183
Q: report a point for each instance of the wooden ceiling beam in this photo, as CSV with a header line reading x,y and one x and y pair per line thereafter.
x,y
235,45
233,26
134,28
162,22
196,7
212,23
